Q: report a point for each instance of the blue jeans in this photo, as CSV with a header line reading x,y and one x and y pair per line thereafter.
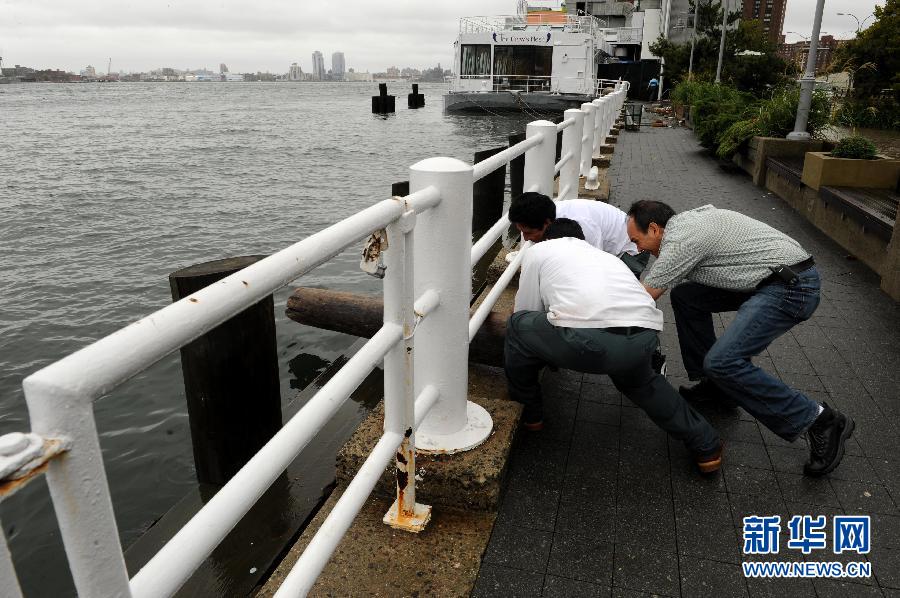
x,y
762,316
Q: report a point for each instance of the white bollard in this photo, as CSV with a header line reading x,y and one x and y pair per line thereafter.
x,y
571,144
599,138
541,159
587,137
443,263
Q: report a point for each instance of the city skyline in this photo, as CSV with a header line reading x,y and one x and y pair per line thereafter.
x,y
56,35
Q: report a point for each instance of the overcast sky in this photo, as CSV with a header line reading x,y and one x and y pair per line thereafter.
x,y
267,35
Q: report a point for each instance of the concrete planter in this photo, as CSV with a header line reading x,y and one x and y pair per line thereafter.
x,y
820,169
752,159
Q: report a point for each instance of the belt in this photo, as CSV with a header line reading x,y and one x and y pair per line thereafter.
x,y
626,330
797,268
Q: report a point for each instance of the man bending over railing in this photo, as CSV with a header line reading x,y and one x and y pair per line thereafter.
x,y
581,308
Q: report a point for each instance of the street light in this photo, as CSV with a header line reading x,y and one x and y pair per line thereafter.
x,y
722,41
859,24
808,83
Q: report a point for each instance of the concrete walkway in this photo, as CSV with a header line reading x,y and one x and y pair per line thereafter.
x,y
602,504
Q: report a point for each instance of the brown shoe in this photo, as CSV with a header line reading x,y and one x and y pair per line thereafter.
x,y
710,462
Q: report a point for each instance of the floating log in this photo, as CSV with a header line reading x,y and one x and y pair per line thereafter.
x,y
361,315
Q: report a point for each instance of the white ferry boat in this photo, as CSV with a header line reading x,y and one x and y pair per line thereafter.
x,y
540,59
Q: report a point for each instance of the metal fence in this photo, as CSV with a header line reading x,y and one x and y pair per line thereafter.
x,y
423,342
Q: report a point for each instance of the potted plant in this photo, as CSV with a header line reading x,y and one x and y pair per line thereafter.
x,y
854,162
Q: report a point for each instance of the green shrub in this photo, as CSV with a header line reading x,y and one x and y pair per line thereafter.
x,y
773,117
857,146
874,113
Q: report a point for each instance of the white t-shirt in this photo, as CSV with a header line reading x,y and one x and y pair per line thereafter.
x,y
580,286
604,225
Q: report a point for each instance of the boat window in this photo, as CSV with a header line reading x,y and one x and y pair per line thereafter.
x,y
475,60
522,67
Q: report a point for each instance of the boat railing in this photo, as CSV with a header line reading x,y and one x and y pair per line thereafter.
x,y
534,21
423,242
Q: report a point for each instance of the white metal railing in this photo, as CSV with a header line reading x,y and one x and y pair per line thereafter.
x,y
426,331
531,21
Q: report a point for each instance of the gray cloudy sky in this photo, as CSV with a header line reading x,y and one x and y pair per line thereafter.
x,y
261,35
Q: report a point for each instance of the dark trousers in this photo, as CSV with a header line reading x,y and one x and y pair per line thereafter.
x,y
533,342
636,263
762,316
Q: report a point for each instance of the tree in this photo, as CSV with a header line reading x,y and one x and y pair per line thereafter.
x,y
753,73
873,58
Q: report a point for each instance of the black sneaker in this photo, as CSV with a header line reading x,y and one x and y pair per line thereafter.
x,y
827,436
706,392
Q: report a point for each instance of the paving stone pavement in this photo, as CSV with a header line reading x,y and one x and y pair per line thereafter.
x,y
601,503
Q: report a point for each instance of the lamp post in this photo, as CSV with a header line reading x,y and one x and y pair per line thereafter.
x,y
722,41
859,25
693,37
808,83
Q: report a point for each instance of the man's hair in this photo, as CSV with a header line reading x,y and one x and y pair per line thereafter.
x,y
532,210
647,210
563,227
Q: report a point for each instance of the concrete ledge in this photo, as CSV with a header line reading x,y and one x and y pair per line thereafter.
x,y
374,559
612,139
606,149
469,480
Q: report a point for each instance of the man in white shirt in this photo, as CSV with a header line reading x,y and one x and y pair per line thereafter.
x,y
604,226
580,308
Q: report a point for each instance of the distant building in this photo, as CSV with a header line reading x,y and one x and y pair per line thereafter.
x,y
295,73
393,72
89,72
354,76
770,14
798,52
338,66
318,69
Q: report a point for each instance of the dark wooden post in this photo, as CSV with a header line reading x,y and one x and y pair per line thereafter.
x,y
488,194
230,378
382,103
415,99
516,168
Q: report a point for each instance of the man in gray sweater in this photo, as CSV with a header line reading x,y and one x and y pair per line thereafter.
x,y
723,261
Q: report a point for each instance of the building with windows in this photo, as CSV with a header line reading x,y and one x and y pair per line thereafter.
x,y
318,66
798,52
338,66
295,73
770,13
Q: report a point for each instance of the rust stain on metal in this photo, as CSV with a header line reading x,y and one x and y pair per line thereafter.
x,y
52,448
246,284
408,432
402,479
401,457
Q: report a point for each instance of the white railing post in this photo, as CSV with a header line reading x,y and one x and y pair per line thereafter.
x,y
587,137
78,487
571,145
443,263
540,161
9,582
399,398
599,118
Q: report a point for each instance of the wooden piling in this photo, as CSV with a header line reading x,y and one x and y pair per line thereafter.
x,y
230,377
382,103
415,99
516,168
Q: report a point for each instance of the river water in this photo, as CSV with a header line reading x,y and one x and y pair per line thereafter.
x,y
107,188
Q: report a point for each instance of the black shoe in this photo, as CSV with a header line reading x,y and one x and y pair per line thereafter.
x,y
706,392
827,436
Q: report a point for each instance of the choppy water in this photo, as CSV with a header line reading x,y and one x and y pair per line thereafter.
x,y
105,189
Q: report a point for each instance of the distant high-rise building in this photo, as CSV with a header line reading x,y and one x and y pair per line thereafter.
x,y
318,68
338,66
770,14
89,72
294,73
222,68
